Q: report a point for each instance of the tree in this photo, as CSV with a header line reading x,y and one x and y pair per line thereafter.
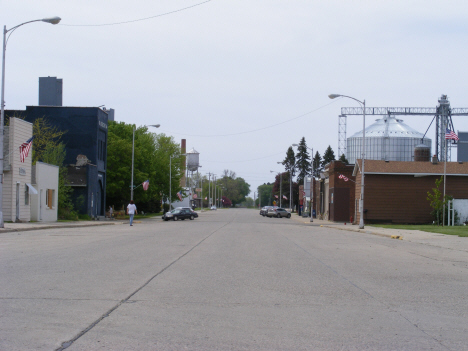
x,y
317,165
302,161
344,159
48,149
236,188
151,162
226,202
289,161
437,201
45,135
265,194
328,156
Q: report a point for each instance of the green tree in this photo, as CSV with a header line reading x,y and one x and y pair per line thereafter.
x,y
344,159
328,156
45,136
289,161
317,165
302,161
48,149
437,201
265,194
151,162
236,188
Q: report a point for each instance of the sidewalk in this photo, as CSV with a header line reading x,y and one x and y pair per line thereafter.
x,y
451,242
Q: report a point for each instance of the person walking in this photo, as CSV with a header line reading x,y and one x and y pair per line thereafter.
x,y
131,211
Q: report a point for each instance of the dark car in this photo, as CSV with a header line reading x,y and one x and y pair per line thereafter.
x,y
180,213
278,212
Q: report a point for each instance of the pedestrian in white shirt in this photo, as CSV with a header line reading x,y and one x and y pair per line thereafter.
x,y
131,211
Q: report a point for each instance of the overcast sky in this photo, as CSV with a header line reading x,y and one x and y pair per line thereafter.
x,y
242,80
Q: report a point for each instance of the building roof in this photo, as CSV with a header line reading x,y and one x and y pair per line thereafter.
x,y
411,168
389,127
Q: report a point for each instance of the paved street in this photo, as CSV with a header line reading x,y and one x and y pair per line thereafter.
x,y
230,280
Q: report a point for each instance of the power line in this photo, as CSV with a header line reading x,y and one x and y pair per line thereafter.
x,y
253,130
136,20
254,159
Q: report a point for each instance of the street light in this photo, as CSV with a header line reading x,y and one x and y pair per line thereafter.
x,y
133,155
170,178
361,202
311,190
52,20
281,181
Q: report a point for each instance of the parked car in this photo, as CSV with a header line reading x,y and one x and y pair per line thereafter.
x,y
278,212
180,213
264,210
213,208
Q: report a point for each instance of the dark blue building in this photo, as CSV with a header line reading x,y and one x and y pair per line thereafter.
x,y
86,150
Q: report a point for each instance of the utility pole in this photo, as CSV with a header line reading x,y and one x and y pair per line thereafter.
x,y
209,189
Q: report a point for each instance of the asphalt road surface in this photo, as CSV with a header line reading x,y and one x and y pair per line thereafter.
x,y
229,280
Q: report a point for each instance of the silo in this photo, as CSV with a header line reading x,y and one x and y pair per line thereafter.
x,y
422,153
387,139
192,160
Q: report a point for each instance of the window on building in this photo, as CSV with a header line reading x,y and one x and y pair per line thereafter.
x,y
26,195
50,198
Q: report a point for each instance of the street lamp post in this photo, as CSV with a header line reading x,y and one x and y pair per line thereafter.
x,y
133,155
361,202
170,178
51,20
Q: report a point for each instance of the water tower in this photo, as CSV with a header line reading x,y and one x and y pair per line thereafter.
x,y
193,160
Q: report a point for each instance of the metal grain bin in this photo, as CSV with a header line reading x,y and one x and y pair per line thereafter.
x,y
387,139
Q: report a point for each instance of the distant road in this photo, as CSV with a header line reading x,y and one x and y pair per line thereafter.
x,y
229,280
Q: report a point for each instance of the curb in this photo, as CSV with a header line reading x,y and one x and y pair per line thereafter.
x,y
391,236
11,230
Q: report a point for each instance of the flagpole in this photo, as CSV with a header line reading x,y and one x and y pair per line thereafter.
x,y
445,176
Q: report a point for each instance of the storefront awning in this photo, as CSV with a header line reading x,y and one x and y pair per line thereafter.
x,y
32,190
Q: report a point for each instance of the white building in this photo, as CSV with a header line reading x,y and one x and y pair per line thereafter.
x,y
17,175
45,179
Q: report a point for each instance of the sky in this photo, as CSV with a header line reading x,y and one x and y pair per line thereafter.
x,y
242,80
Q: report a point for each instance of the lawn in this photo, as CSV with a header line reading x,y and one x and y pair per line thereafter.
x,y
461,231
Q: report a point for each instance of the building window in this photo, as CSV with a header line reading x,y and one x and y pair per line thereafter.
x,y
50,198
26,195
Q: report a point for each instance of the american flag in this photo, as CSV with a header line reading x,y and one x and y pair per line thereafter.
x,y
145,184
341,176
284,197
179,195
303,193
276,196
24,149
449,134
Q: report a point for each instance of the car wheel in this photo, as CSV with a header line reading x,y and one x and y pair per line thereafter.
x,y
191,218
176,218
289,215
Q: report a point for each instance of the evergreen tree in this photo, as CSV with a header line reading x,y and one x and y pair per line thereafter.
x,y
344,159
303,161
289,161
317,165
328,156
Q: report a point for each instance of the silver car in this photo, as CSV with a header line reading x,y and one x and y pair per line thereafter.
x,y
278,212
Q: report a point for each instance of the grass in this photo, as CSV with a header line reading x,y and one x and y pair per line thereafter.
x,y
461,231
